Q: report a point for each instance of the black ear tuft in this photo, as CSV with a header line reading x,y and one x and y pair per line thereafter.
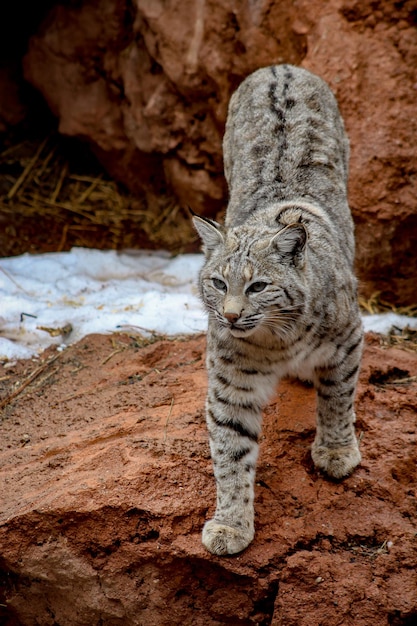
x,y
193,213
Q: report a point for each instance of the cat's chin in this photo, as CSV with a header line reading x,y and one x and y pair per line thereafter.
x,y
236,332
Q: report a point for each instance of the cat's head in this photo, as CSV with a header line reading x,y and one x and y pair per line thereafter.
x,y
253,282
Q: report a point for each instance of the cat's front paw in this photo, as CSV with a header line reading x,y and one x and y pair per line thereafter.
x,y
222,539
336,462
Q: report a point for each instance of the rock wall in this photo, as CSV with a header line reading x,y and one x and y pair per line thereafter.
x,y
147,83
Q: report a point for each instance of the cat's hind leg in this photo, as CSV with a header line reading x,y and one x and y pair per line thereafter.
x,y
335,449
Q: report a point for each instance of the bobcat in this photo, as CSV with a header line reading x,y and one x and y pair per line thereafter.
x,y
278,285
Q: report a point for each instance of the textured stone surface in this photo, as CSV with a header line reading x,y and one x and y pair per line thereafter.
x,y
12,109
148,83
106,480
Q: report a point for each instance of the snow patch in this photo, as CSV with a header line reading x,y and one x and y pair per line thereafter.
x,y
60,297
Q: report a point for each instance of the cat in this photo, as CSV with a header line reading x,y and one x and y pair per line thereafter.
x,y
278,285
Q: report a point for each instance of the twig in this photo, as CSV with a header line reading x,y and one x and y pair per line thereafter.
x,y
11,149
167,420
63,238
27,382
82,178
47,377
402,381
60,182
23,315
45,164
69,207
27,169
111,355
6,273
88,191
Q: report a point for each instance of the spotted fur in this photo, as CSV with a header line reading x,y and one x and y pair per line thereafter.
x,y
278,285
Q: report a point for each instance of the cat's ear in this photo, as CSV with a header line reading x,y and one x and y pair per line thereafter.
x,y
290,242
211,232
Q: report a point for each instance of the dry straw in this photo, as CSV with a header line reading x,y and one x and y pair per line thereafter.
x,y
44,179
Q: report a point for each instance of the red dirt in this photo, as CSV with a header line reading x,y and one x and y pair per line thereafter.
x,y
106,481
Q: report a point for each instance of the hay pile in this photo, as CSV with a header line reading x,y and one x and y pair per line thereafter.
x,y
54,185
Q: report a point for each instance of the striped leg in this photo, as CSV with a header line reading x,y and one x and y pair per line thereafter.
x,y
335,449
237,391
234,451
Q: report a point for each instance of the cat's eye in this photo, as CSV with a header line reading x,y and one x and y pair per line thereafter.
x,y
220,284
256,287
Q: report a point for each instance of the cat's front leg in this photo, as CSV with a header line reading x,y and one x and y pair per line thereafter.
x,y
234,428
335,449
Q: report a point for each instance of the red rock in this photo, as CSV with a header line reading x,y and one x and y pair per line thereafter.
x,y
148,85
106,481
12,108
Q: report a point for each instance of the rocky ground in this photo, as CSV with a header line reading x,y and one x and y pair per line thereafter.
x,y
106,481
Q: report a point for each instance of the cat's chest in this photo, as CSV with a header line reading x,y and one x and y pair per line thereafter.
x,y
302,362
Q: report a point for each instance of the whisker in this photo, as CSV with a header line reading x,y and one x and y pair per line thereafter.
x,y
292,307
280,320
281,313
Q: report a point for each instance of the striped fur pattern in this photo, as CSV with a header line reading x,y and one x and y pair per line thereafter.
x,y
278,285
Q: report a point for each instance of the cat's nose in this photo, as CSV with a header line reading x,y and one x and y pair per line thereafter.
x,y
231,317
232,308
